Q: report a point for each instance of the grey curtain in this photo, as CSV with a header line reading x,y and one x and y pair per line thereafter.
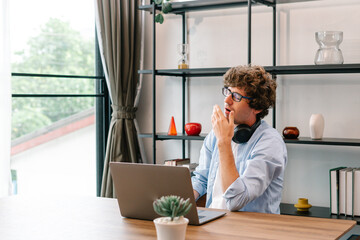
x,y
118,25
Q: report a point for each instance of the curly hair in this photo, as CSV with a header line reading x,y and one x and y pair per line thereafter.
x,y
257,84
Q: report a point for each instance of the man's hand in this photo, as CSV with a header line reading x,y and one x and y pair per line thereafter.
x,y
223,127
224,131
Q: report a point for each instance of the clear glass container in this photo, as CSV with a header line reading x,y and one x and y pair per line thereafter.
x,y
329,51
183,51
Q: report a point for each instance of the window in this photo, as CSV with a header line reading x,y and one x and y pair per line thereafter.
x,y
56,97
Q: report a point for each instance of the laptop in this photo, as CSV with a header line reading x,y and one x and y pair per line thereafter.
x,y
137,186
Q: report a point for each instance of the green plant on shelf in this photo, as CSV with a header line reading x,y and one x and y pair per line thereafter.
x,y
172,206
165,8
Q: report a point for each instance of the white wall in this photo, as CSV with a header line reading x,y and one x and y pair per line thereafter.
x,y
63,166
218,38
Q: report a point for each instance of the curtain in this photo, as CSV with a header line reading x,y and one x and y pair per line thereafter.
x,y
118,25
5,100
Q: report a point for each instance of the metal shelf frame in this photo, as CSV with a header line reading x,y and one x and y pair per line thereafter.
x,y
203,5
326,141
155,137
354,142
275,70
179,136
181,8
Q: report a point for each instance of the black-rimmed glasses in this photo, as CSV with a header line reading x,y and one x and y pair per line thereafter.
x,y
235,96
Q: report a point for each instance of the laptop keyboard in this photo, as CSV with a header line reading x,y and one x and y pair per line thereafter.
x,y
199,214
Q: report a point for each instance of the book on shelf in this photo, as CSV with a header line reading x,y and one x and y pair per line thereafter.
x,y
342,190
183,162
349,193
177,162
356,192
334,190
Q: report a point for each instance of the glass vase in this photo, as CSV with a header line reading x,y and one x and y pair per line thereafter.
x,y
329,51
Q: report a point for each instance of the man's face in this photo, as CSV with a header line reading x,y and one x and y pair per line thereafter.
x,y
243,113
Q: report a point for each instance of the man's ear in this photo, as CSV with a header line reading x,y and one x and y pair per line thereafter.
x,y
256,111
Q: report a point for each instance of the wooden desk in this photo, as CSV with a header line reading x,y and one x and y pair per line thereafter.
x,y
90,218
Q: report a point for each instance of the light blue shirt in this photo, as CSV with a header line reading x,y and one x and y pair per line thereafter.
x,y
261,164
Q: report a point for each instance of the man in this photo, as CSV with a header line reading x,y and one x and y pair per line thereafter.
x,y
243,170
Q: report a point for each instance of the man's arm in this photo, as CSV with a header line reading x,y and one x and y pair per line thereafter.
x,y
224,131
265,164
227,165
201,173
196,194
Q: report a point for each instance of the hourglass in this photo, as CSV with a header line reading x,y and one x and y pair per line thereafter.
x,y
183,51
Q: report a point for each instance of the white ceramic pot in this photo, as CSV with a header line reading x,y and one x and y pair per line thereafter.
x,y
167,229
316,125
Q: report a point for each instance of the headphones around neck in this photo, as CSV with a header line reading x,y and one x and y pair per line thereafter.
x,y
243,132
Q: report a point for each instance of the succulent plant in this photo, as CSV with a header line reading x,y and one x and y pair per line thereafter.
x,y
172,206
165,8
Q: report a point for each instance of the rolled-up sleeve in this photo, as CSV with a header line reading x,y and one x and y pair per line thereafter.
x,y
266,163
200,178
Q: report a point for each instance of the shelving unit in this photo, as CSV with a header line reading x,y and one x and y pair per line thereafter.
x,y
275,70
181,8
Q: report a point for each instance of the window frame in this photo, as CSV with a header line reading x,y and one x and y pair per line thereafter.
x,y
102,108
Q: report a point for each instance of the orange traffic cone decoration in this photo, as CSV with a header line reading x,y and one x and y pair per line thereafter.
x,y
172,128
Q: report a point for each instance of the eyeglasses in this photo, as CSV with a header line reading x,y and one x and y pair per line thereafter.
x,y
235,96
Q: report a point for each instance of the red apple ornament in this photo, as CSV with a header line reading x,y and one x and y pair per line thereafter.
x,y
193,129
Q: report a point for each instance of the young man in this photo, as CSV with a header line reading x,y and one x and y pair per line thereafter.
x,y
242,161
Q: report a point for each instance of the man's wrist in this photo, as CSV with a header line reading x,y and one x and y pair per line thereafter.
x,y
225,143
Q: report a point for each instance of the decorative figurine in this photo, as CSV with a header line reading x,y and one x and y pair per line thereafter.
x,y
193,129
316,125
172,128
303,205
291,132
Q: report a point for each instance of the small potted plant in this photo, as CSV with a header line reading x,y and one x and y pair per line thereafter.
x,y
173,223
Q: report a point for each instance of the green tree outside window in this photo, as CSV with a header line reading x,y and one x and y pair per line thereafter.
x,y
57,49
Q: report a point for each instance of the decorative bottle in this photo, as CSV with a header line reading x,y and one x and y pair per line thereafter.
x,y
329,51
316,125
